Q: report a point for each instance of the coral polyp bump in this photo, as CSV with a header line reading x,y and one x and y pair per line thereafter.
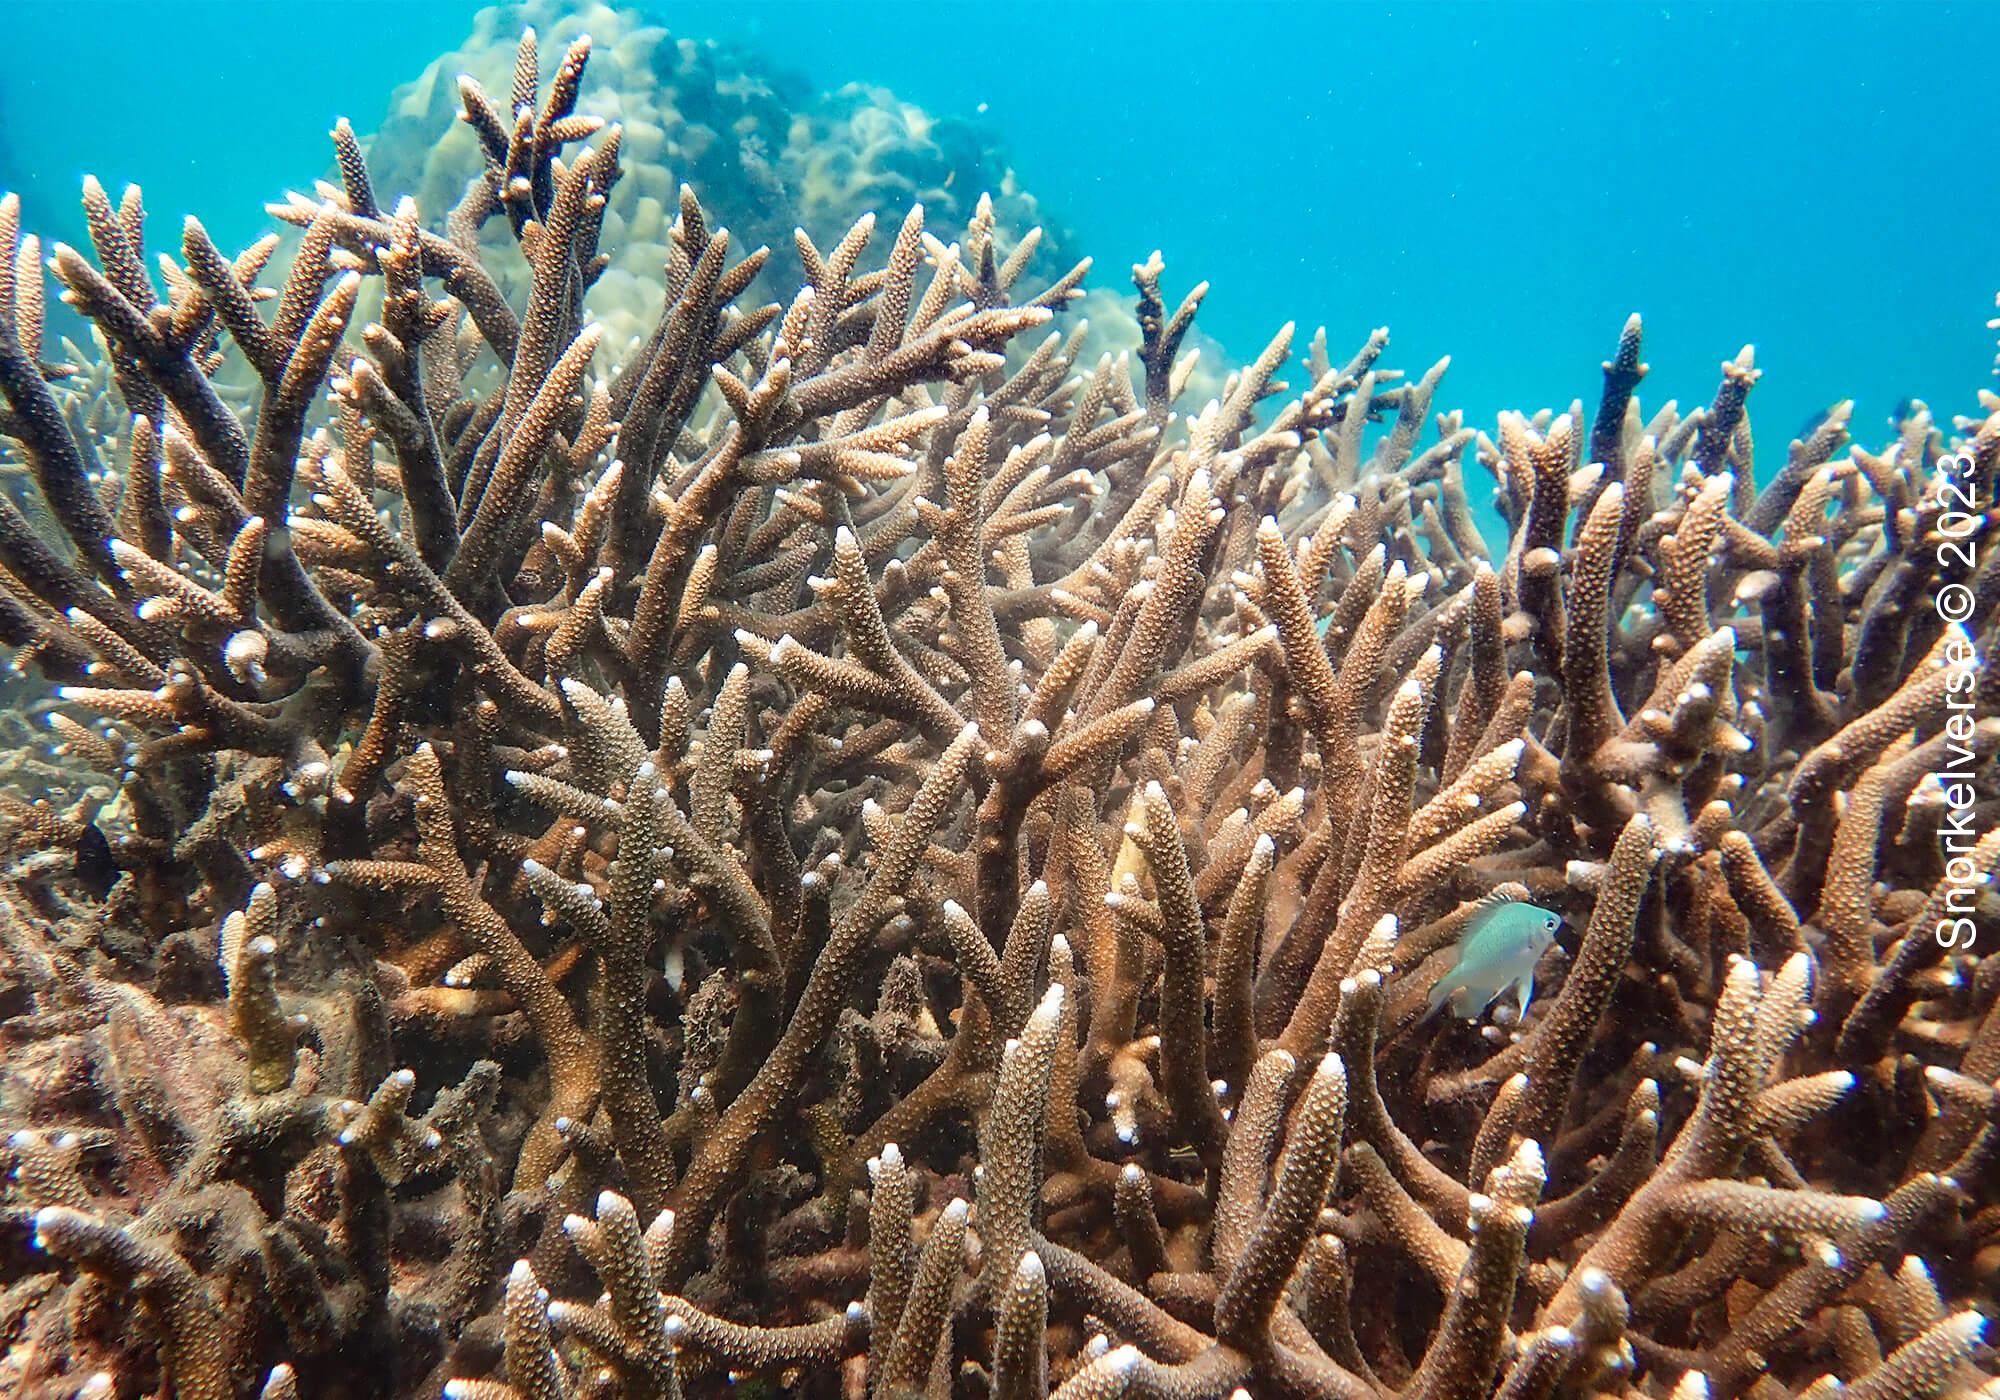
x,y
848,849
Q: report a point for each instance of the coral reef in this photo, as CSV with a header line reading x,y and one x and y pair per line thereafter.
x,y
749,138
851,850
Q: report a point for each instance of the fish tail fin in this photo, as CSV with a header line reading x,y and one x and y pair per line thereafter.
x,y
1440,993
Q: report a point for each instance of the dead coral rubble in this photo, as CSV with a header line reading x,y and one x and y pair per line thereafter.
x,y
852,850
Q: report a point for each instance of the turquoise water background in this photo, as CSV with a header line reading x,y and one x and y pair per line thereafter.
x,y
1501,183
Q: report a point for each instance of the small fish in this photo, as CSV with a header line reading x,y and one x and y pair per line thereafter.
x,y
1498,950
96,867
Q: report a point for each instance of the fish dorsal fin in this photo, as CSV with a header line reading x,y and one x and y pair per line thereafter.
x,y
1488,904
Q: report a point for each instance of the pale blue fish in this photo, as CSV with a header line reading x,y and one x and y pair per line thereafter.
x,y
1497,952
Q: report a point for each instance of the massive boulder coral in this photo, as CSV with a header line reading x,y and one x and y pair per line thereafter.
x,y
752,139
853,852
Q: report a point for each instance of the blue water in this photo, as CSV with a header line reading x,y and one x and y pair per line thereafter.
x,y
1502,183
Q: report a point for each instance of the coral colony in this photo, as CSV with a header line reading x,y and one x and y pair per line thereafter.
x,y
851,850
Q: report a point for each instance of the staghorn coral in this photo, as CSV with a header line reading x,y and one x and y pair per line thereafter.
x,y
745,135
851,850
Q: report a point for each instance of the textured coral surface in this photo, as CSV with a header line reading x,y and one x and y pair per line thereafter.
x,y
757,145
849,847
